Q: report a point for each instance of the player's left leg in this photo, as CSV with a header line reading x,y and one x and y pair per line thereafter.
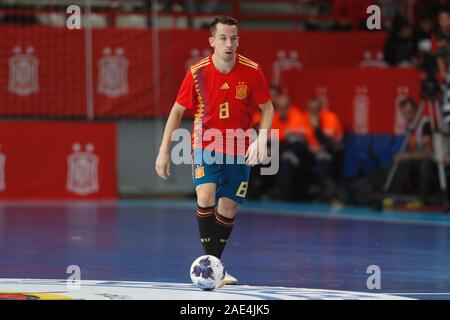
x,y
231,192
225,213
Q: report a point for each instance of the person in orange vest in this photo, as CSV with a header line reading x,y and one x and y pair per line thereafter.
x,y
323,127
324,137
288,119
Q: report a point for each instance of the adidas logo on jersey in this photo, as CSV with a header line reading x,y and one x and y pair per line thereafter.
x,y
225,86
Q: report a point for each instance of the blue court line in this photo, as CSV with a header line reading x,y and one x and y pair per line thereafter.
x,y
309,210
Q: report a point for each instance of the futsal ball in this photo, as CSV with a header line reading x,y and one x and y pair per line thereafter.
x,y
207,272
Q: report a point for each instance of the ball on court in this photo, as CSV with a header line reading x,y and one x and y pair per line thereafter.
x,y
207,272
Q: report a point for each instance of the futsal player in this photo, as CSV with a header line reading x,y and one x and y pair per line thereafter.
x,y
221,89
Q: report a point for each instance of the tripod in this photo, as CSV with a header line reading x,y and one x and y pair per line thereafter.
x,y
437,143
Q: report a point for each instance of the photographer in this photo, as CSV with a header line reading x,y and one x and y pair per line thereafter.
x,y
417,159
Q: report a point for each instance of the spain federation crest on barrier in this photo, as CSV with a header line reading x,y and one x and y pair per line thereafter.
x,y
113,73
2,171
23,72
361,104
82,174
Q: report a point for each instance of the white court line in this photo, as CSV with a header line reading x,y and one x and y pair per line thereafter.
x,y
418,293
101,289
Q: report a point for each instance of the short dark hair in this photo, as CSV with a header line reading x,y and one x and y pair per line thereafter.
x,y
223,20
408,100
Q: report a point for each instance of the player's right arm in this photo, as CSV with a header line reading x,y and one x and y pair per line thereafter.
x,y
162,164
185,100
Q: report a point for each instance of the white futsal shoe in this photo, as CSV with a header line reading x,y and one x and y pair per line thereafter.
x,y
229,279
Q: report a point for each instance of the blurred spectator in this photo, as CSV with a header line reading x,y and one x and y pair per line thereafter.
x,y
442,55
444,22
400,48
287,119
324,136
424,34
19,19
424,31
311,149
179,6
433,6
190,6
417,160
347,13
434,61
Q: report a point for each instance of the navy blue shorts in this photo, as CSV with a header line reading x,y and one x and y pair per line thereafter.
x,y
229,173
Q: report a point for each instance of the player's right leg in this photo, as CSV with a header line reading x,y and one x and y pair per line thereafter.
x,y
206,218
206,178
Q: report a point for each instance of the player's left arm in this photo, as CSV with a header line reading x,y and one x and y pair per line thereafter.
x,y
267,112
260,95
257,150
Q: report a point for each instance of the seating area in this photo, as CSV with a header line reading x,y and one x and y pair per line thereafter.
x,y
367,153
255,14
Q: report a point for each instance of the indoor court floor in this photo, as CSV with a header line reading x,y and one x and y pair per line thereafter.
x,y
143,249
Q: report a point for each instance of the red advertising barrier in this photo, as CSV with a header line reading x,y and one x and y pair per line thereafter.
x,y
123,73
55,160
275,51
44,70
366,100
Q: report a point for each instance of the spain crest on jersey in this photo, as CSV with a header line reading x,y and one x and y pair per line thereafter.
x,y
82,174
113,73
23,72
241,91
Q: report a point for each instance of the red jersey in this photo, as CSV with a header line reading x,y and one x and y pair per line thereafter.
x,y
222,101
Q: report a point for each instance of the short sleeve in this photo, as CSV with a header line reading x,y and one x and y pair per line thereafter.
x,y
186,94
261,92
